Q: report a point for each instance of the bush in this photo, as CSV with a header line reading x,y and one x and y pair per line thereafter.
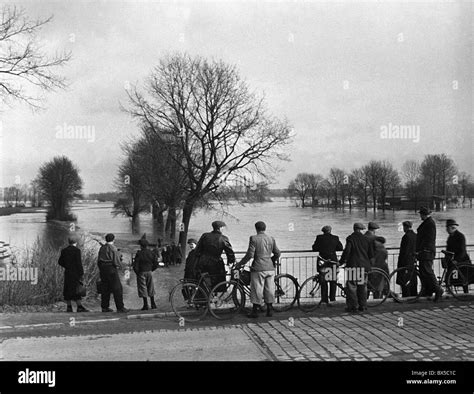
x,y
49,288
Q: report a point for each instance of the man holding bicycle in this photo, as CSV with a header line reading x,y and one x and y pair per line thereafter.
x,y
426,251
208,253
262,275
327,245
358,253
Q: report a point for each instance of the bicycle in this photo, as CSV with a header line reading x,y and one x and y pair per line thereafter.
x,y
456,277
377,284
236,291
189,298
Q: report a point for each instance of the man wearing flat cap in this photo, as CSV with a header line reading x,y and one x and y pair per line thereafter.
x,y
143,265
456,242
190,267
357,253
406,258
109,263
426,251
327,245
262,273
370,233
209,250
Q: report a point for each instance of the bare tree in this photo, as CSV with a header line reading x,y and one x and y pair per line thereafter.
x,y
411,173
129,183
300,187
336,179
361,184
437,171
25,69
162,177
60,183
314,181
222,127
388,180
372,174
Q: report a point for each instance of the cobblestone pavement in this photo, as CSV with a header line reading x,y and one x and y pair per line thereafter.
x,y
420,335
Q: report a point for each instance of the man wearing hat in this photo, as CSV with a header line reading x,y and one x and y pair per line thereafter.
x,y
262,274
144,265
357,253
209,250
370,233
70,259
456,242
327,245
406,258
190,267
109,264
426,251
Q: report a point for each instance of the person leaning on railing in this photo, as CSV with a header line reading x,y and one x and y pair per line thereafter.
x,y
327,245
456,244
425,251
358,253
208,253
262,274
406,258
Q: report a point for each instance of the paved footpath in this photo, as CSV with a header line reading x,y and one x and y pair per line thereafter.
x,y
425,332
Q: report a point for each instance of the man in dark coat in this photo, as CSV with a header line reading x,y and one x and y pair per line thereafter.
x,y
357,256
370,233
190,267
457,244
426,251
70,259
327,245
143,265
109,264
406,258
209,250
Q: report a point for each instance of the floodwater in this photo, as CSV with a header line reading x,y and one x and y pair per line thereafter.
x,y
294,228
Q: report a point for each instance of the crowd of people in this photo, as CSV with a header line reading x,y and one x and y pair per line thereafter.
x,y
361,250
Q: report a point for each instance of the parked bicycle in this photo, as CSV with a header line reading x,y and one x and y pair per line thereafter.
x,y
235,293
378,287
189,298
457,278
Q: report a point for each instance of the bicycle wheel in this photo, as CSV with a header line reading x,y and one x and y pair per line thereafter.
x,y
378,287
227,298
189,301
460,282
407,284
309,295
286,292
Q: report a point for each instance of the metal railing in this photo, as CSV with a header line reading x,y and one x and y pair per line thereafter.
x,y
303,263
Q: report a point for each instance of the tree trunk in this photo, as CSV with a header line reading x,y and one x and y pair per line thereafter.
x,y
172,223
159,222
187,212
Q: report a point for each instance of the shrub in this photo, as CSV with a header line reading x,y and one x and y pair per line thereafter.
x,y
49,288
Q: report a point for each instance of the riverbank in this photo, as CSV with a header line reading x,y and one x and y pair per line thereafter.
x,y
5,211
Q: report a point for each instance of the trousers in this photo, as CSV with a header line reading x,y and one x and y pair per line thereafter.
x,y
262,287
111,285
356,293
428,278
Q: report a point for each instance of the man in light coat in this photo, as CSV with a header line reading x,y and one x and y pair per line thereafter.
x,y
262,274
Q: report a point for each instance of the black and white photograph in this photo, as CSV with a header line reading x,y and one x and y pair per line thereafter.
x,y
236,196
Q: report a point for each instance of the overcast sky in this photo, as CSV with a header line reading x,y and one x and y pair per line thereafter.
x,y
340,72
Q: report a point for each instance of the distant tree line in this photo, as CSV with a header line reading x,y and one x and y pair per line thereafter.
x,y
436,178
